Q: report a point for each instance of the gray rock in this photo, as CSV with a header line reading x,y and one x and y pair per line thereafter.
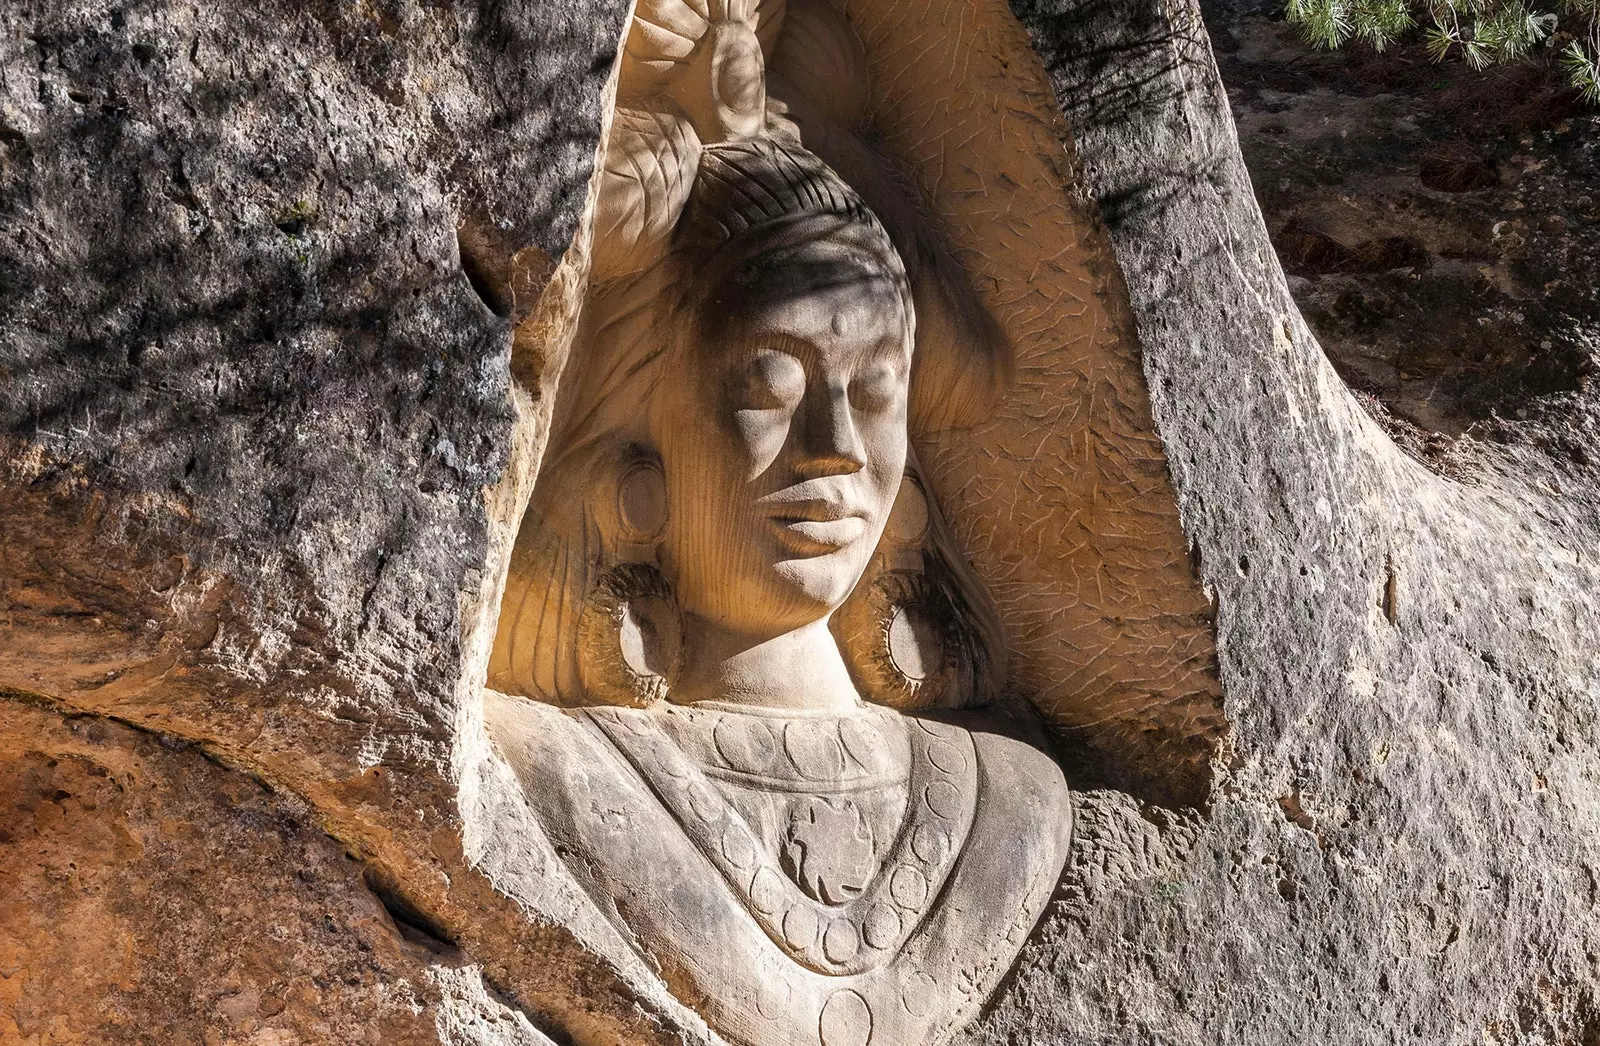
x,y
250,399
1400,846
258,267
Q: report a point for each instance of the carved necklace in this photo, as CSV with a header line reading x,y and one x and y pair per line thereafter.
x,y
870,926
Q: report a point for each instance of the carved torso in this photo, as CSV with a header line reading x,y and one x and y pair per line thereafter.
x,y
820,879
732,589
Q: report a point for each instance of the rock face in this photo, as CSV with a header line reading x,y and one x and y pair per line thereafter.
x,y
153,895
251,398
286,291
1400,845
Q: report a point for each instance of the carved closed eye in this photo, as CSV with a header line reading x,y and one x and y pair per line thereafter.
x,y
770,380
877,388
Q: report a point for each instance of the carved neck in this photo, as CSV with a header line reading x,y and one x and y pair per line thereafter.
x,y
797,670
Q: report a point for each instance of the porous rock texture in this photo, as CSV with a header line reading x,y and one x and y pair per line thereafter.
x,y
153,895
259,270
1401,846
251,402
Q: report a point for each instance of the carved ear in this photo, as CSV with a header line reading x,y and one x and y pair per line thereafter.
x,y
630,633
587,617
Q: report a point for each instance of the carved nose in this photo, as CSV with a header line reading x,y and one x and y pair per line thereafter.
x,y
832,445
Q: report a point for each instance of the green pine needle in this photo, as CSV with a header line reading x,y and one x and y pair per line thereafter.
x,y
1488,32
1584,71
1440,42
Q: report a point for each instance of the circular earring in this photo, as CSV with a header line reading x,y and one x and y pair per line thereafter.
x,y
902,638
630,633
905,633
630,637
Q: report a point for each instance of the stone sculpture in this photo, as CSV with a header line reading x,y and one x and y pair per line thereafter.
x,y
747,650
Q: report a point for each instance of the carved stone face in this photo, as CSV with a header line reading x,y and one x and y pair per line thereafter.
x,y
781,425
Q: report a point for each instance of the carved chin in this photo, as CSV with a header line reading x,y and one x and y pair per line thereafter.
x,y
825,581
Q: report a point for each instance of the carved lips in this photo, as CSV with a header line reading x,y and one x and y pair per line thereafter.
x,y
810,525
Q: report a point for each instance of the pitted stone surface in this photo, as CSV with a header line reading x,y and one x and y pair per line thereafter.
x,y
152,895
254,383
264,268
1402,844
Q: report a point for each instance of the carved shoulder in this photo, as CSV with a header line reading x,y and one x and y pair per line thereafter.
x,y
1025,786
568,772
529,733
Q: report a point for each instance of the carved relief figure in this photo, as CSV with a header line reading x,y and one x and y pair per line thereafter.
x,y
747,649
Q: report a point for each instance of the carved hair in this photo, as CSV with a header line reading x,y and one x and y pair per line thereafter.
x,y
757,209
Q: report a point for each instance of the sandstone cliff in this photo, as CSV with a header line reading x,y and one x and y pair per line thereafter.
x,y
260,273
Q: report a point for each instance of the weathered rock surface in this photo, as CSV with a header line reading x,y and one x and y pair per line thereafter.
x,y
152,895
1440,229
1402,845
252,400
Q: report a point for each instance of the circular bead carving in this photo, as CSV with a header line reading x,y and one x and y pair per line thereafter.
x,y
946,757
737,847
917,995
909,887
881,926
800,926
773,990
745,744
703,801
841,940
865,743
846,1020
634,724
929,843
675,769
943,799
814,749
766,891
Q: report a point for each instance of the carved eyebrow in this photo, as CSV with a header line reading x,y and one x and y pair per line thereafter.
x,y
888,349
803,349
891,345
885,349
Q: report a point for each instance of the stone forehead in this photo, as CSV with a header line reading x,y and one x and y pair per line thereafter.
x,y
767,221
848,269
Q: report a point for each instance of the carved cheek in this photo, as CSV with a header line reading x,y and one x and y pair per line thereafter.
x,y
760,436
885,439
